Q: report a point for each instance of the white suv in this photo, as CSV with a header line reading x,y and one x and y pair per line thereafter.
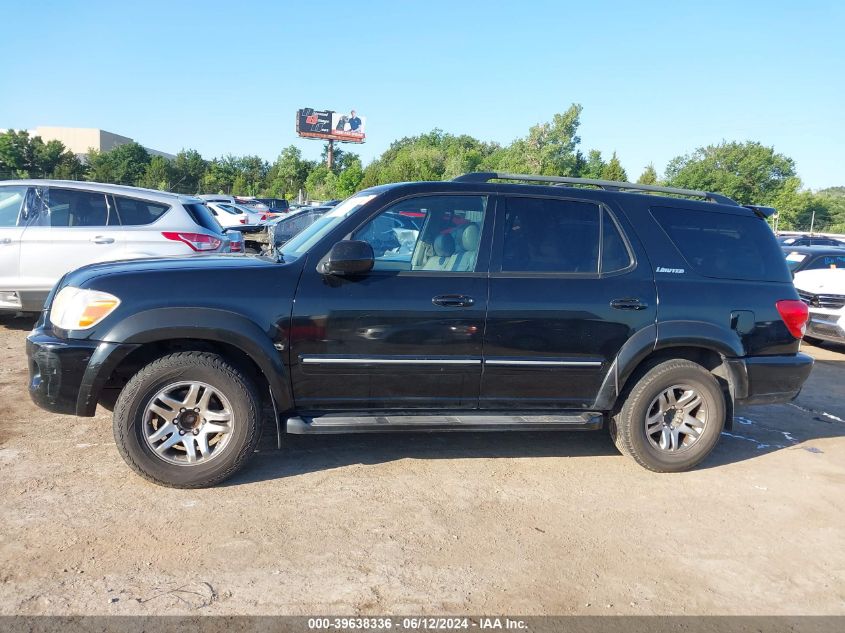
x,y
50,227
824,293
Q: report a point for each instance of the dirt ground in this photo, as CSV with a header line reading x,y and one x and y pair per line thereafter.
x,y
538,523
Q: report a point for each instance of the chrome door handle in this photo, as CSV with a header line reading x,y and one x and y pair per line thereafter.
x,y
100,239
453,301
6,240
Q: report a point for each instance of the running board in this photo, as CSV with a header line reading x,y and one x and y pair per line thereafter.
x,y
332,423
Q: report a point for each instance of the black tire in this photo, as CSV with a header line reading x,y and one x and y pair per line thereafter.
x,y
208,368
628,426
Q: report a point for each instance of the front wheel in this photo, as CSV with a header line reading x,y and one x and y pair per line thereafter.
x,y
187,420
672,418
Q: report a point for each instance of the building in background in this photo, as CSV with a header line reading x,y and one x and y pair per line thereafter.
x,y
81,139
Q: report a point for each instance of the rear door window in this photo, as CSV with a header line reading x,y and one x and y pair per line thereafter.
x,y
547,235
75,208
11,201
724,245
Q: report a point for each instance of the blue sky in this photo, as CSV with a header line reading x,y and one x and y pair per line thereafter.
x,y
655,79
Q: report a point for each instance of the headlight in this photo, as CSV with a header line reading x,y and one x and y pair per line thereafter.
x,y
80,309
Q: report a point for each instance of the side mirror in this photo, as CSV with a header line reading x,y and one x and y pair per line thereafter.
x,y
349,257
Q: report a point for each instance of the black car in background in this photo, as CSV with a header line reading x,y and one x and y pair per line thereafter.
x,y
808,240
474,304
276,205
800,258
283,229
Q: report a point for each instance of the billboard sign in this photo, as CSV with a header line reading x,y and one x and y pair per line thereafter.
x,y
347,127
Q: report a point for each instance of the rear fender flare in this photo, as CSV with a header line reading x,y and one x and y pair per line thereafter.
x,y
667,335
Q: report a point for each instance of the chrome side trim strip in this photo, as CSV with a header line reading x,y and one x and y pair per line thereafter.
x,y
310,360
549,363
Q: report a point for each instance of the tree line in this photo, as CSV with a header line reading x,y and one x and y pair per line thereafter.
x,y
749,172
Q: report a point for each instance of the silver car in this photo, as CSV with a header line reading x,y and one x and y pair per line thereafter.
x,y
50,227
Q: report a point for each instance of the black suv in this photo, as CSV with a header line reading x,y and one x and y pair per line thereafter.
x,y
496,305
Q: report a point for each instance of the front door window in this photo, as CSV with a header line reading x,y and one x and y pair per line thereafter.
x,y
429,233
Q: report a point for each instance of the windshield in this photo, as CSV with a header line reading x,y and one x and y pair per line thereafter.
x,y
314,233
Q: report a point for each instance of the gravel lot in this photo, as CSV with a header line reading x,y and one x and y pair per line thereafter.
x,y
538,523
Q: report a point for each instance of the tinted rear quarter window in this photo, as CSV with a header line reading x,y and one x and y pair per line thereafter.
x,y
134,212
724,245
202,215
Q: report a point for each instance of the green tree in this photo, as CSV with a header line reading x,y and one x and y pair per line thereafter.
x,y
836,192
158,174
349,180
287,175
251,175
219,176
747,172
70,168
124,165
188,169
649,176
45,156
593,167
549,149
435,155
321,183
614,170
22,156
14,150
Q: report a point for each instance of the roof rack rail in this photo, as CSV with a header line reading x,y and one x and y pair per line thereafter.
x,y
611,185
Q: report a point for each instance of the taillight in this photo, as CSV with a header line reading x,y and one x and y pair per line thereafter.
x,y
197,241
795,315
235,247
263,216
243,220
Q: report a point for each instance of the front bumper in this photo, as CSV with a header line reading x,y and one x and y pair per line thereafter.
x,y
67,375
769,379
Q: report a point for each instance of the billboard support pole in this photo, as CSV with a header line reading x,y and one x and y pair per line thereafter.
x,y
330,154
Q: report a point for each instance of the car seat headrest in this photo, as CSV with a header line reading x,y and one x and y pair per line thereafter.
x,y
444,245
470,236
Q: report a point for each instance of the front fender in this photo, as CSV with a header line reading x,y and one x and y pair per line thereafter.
x,y
210,324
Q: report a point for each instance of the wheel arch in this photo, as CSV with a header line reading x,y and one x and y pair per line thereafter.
x,y
717,349
154,333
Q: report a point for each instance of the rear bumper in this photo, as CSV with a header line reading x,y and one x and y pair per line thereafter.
x,y
769,379
67,375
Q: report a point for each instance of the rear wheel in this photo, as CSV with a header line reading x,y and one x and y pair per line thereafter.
x,y
187,420
672,418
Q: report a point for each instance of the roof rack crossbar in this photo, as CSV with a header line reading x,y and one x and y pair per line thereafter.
x,y
611,185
